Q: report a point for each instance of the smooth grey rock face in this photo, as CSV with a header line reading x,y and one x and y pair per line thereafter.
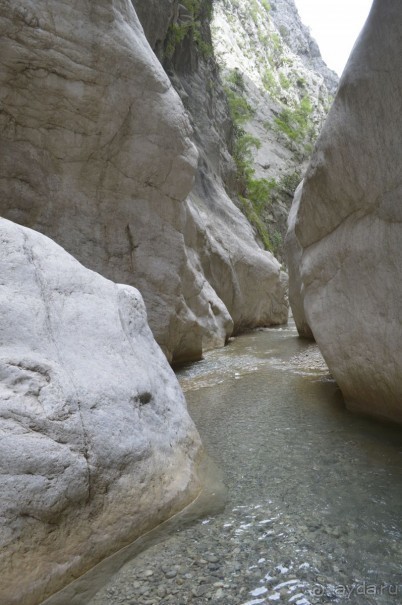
x,y
96,443
95,152
294,256
349,223
95,148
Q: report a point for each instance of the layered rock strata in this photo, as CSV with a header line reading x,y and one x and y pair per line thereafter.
x,y
348,224
97,446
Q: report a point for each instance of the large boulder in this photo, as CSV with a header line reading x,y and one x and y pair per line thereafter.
x,y
95,151
96,443
349,223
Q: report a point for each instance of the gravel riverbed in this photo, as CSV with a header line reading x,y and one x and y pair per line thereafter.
x,y
313,513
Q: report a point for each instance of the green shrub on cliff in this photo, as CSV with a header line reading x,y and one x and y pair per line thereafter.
x,y
296,123
254,194
199,11
240,110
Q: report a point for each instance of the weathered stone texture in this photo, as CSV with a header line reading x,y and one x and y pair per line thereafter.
x,y
349,224
95,151
96,444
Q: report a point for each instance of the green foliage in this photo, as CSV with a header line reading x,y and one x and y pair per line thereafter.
x,y
235,77
255,195
193,7
240,110
259,191
205,48
277,241
263,38
255,10
243,155
276,42
177,32
290,181
266,5
269,82
284,82
328,104
296,123
283,30
199,8
305,106
257,222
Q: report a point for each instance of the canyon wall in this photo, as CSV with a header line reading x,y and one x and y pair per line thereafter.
x,y
348,224
279,91
97,153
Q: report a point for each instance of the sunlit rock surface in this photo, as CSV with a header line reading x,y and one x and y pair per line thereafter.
x,y
349,224
96,444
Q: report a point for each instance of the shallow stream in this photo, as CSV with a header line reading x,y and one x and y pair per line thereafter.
x,y
314,493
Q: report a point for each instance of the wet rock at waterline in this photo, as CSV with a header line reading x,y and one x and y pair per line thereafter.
x,y
96,153
97,445
348,224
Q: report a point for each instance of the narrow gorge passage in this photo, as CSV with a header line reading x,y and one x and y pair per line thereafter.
x,y
313,512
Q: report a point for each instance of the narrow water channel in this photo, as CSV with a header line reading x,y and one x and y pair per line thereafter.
x,y
314,504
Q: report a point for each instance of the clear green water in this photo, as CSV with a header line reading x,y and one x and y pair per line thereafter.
x,y
314,510
280,431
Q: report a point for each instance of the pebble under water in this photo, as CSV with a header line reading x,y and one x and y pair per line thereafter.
x,y
314,504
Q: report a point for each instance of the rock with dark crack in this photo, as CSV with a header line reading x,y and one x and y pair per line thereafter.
x,y
96,152
97,446
349,224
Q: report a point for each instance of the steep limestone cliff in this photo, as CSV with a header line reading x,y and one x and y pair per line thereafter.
x,y
348,224
298,38
279,92
96,444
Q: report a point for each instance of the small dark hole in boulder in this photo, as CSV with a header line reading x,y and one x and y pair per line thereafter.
x,y
144,398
